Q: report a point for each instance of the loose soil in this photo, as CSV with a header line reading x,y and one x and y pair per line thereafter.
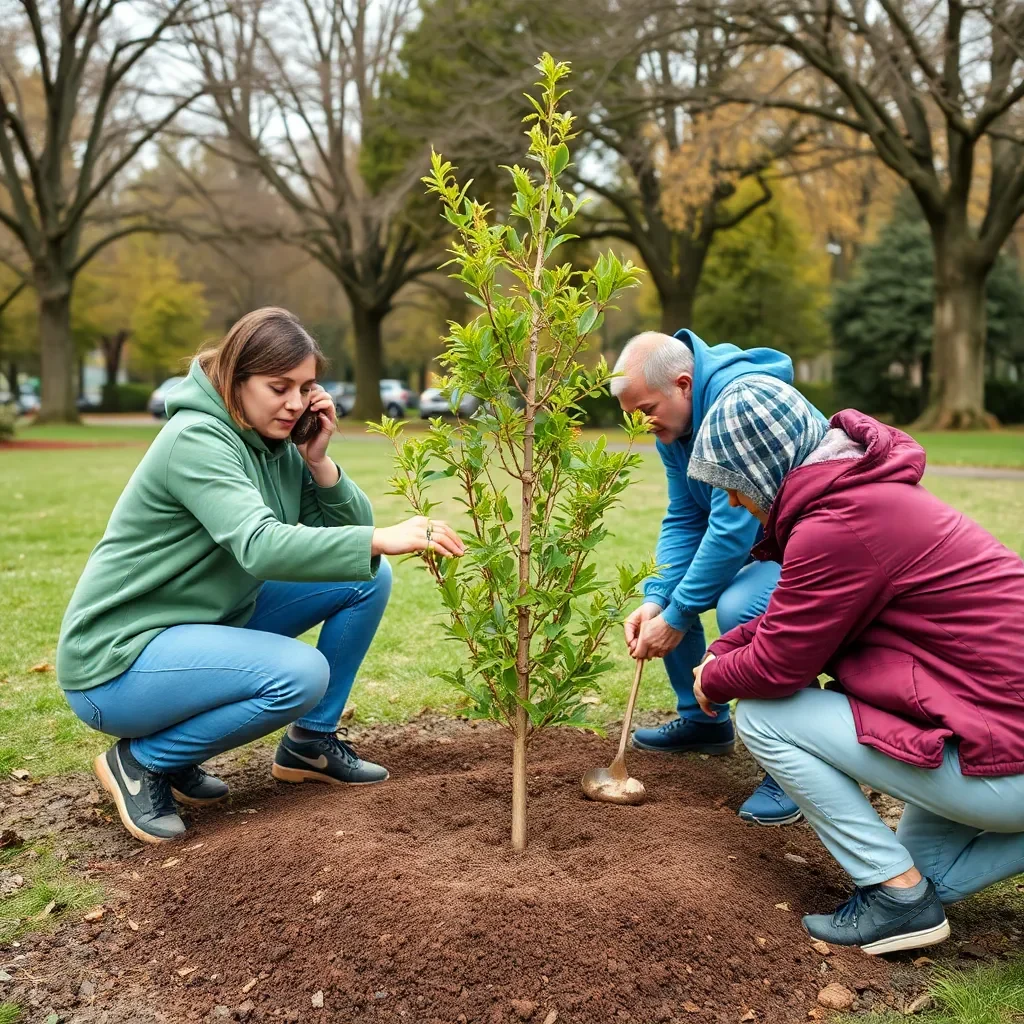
x,y
39,445
403,902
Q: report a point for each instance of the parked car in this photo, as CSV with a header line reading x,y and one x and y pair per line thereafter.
x,y
396,397
343,395
158,400
28,401
433,403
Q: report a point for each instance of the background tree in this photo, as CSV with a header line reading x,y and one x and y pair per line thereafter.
x,y
74,115
294,90
882,318
763,285
525,599
937,89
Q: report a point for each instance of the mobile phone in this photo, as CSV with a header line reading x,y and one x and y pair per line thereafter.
x,y
307,427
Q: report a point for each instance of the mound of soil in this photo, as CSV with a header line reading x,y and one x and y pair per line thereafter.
x,y
403,902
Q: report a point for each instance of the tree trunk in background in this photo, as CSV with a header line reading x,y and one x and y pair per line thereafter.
x,y
957,391
368,363
56,353
12,378
676,307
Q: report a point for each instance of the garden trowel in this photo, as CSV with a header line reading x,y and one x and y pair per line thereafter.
x,y
613,785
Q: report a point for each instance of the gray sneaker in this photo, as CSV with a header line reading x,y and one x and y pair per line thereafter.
x,y
326,759
143,798
197,788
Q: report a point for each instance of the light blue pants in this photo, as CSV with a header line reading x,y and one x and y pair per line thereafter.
x,y
744,599
198,690
962,832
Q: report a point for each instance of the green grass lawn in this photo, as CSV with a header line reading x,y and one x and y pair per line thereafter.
x,y
53,508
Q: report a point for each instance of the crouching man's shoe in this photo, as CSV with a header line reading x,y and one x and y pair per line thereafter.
x,y
326,759
880,923
681,736
142,797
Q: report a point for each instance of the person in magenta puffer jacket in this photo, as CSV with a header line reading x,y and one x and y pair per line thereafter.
x,y
918,615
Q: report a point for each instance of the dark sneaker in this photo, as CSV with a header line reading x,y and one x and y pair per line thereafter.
x,y
143,798
877,923
769,805
327,759
680,736
194,786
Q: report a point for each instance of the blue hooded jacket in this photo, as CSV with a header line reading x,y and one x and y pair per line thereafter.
x,y
703,542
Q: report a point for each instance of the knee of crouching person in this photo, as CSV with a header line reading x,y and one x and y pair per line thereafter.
x,y
309,681
750,715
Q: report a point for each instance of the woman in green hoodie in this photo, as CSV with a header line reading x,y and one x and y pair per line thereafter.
x,y
236,534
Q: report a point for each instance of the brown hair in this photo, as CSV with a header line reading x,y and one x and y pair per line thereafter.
x,y
265,343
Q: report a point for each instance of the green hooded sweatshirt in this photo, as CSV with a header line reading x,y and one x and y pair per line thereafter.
x,y
211,511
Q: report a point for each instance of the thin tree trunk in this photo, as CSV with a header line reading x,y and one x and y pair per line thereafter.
x,y
12,378
56,354
366,324
957,391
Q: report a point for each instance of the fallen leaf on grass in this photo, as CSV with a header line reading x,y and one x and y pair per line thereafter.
x,y
922,1002
21,774
95,915
782,906
43,666
46,911
184,972
249,986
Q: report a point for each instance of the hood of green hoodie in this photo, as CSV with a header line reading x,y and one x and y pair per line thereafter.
x,y
197,393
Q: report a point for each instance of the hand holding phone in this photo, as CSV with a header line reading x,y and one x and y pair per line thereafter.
x,y
312,433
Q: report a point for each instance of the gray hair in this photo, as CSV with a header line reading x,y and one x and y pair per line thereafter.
x,y
659,357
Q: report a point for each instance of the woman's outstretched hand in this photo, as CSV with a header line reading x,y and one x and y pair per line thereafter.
x,y
415,535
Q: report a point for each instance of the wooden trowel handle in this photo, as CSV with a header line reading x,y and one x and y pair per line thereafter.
x,y
628,719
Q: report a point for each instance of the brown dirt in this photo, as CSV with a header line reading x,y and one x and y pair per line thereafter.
x,y
403,903
38,445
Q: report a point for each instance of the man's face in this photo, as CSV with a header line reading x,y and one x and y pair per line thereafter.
x,y
671,414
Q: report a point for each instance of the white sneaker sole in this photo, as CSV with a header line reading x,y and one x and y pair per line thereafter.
x,y
750,819
909,940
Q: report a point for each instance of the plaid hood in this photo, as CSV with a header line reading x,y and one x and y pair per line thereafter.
x,y
759,429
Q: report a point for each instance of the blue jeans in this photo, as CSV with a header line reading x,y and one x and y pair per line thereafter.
x,y
964,832
744,599
198,690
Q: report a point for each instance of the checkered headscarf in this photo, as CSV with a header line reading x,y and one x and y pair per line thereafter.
x,y
756,432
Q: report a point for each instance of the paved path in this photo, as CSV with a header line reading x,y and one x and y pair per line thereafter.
x,y
344,437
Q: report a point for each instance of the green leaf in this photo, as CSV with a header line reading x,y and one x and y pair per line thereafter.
x,y
587,320
560,160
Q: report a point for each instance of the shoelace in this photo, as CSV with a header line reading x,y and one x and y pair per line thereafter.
x,y
851,909
333,743
191,775
772,787
158,789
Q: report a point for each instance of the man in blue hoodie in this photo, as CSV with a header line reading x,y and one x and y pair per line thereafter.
x,y
704,544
